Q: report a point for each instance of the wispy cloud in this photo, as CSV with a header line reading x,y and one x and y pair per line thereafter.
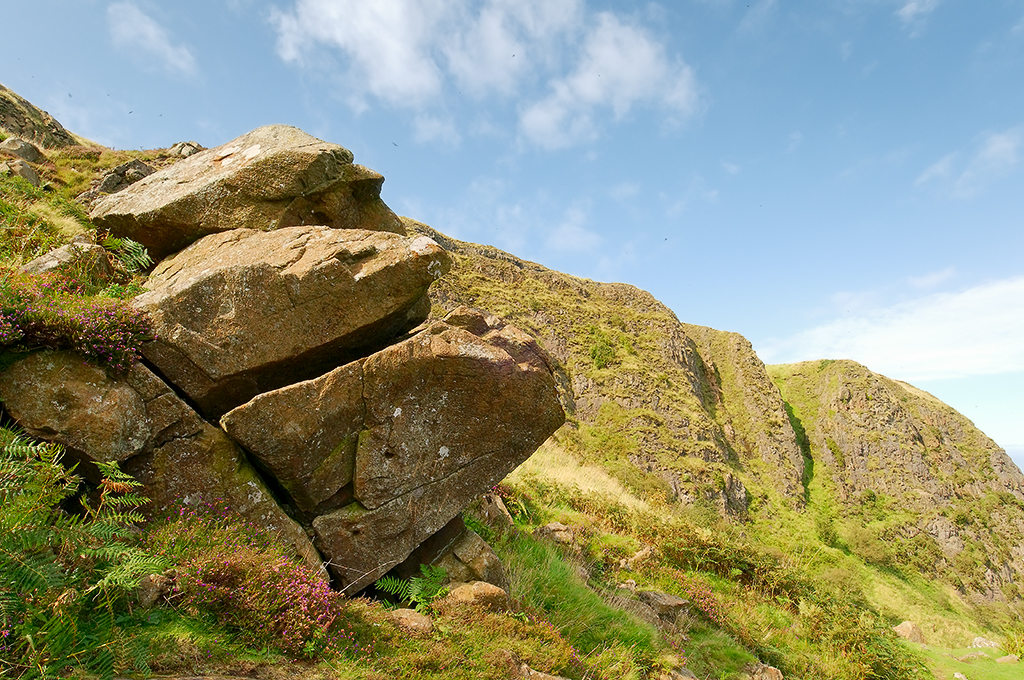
x,y
914,12
931,279
133,29
621,66
571,235
995,154
977,331
428,128
567,69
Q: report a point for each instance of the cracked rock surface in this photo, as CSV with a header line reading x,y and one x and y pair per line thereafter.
x,y
275,176
243,312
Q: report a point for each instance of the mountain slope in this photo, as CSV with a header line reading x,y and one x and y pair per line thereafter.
x,y
683,410
917,475
902,479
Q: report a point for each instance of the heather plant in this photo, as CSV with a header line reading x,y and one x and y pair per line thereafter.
x,y
248,582
50,311
66,565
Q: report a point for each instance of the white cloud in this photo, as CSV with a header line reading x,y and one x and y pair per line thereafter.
x,y
999,153
427,128
931,279
914,12
978,331
621,66
571,235
131,28
730,168
509,39
390,45
411,53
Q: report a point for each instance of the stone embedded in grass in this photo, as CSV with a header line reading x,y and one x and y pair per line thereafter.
x,y
272,177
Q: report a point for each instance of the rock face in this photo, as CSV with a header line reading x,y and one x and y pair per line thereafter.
x,y
273,177
886,444
139,422
22,119
672,393
400,442
372,436
242,312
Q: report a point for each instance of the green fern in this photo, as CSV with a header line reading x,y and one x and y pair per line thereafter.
x,y
132,255
420,591
64,576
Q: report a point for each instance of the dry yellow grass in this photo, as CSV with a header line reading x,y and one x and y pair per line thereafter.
x,y
555,465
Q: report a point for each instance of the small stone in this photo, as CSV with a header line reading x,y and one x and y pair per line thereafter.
x,y
910,631
480,593
983,642
1009,658
412,621
22,149
152,588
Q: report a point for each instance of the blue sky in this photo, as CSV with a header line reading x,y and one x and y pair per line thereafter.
x,y
830,178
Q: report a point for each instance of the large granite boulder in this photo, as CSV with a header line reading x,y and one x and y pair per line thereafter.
x,y
273,177
138,421
400,442
243,312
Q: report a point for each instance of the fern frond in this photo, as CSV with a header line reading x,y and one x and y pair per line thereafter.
x,y
132,255
393,586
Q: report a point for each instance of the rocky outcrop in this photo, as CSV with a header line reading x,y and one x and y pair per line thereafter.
x,y
139,422
19,148
273,177
82,257
672,394
298,334
117,179
20,168
887,445
446,415
243,312
22,119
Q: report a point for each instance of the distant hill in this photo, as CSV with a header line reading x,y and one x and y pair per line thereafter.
x,y
900,477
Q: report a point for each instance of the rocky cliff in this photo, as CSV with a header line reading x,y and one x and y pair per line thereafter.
x,y
678,409
931,488
692,412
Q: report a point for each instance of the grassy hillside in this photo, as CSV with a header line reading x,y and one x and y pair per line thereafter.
x,y
802,510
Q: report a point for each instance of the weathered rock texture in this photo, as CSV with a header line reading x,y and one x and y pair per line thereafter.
x,y
22,119
139,422
242,312
397,444
886,447
273,177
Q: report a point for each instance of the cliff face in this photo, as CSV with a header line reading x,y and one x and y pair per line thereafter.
x,y
686,409
916,473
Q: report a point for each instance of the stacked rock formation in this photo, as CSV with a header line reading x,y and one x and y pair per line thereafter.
x,y
346,423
